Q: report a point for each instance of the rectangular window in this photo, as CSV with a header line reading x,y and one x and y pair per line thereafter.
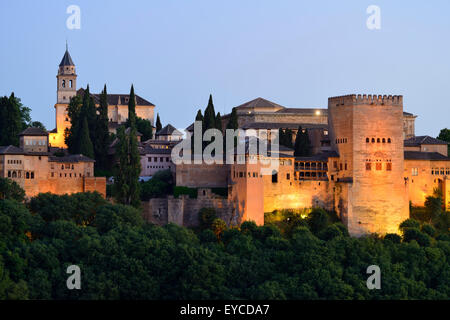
x,y
414,171
340,166
378,166
288,176
368,166
275,178
388,166
335,164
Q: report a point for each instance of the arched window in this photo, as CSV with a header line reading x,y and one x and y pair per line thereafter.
x,y
14,174
71,83
373,140
63,83
32,175
389,140
27,175
378,140
383,140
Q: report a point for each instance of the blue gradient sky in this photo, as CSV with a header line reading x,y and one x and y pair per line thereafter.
x,y
295,53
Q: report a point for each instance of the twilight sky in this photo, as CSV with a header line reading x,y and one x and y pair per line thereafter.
x,y
295,53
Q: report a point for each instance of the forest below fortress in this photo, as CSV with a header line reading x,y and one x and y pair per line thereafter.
x,y
294,256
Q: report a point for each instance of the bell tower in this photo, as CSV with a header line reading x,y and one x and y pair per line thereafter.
x,y
66,88
67,79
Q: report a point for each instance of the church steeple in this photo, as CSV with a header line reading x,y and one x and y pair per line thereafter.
x,y
66,86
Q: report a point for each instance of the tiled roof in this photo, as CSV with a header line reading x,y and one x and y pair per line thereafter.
x,y
33,131
419,140
168,130
277,125
319,157
117,99
149,150
11,150
418,155
260,103
66,60
71,158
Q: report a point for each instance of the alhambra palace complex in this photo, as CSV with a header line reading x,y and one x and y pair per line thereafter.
x,y
367,162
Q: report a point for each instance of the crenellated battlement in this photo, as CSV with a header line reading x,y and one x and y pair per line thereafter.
x,y
365,99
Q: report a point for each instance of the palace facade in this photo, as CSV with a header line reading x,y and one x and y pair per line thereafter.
x,y
367,164
37,170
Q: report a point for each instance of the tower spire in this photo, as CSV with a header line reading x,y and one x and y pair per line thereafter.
x,y
67,47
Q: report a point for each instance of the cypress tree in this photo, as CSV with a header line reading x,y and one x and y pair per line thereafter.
x,y
85,144
128,167
102,133
199,116
11,120
288,138
120,187
233,122
302,146
132,104
158,123
71,134
219,122
209,120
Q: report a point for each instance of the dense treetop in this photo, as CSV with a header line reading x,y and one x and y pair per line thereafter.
x,y
123,257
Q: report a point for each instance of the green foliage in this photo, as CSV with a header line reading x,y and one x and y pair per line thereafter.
x,y
179,190
429,230
128,167
116,249
318,220
434,204
206,217
158,125
218,226
285,137
409,223
444,135
220,191
38,124
393,237
101,139
145,127
158,186
410,234
302,146
14,118
83,119
9,189
233,122
86,147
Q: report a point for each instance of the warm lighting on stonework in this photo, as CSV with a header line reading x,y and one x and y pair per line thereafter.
x,y
318,113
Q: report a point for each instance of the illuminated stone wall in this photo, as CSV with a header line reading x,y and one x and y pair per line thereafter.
x,y
36,174
423,176
367,132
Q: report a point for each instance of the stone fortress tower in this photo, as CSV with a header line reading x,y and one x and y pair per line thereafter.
x,y
367,133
